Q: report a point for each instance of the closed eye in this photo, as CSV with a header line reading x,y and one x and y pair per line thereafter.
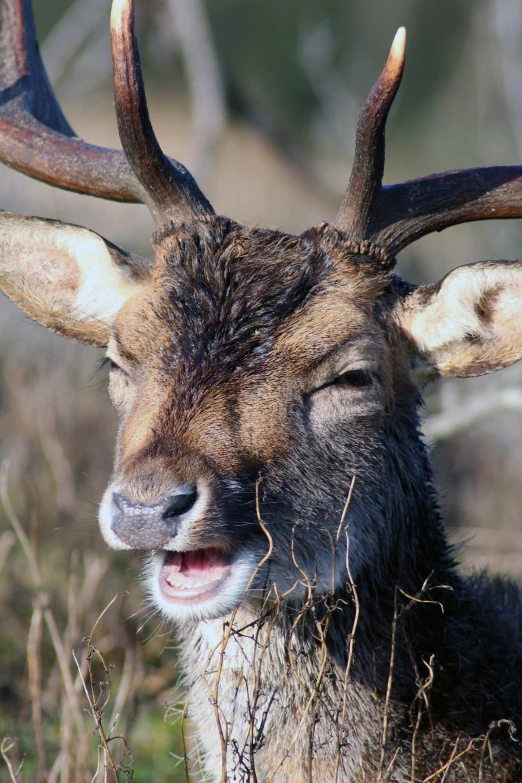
x,y
110,363
355,379
351,379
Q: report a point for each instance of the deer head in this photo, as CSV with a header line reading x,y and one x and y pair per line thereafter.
x,y
258,375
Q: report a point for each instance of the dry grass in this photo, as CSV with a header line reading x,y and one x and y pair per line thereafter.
x,y
56,578
80,697
64,683
433,757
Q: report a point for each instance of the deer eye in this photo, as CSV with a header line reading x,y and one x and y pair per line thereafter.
x,y
355,379
113,367
117,372
351,379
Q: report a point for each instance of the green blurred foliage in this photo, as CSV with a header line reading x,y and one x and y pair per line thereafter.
x,y
260,42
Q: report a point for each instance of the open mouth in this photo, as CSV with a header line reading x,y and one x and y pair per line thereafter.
x,y
189,577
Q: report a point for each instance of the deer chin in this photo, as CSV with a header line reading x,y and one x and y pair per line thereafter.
x,y
199,584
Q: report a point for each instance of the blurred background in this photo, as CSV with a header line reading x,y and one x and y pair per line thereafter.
x,y
260,100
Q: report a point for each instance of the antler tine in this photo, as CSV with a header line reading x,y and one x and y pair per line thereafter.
x,y
364,187
410,210
171,192
384,220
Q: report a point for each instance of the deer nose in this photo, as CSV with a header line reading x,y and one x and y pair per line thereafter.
x,y
151,525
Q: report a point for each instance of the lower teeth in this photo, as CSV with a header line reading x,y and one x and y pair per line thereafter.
x,y
184,586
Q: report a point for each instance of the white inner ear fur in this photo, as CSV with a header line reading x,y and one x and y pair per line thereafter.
x,y
473,319
102,289
64,265
456,309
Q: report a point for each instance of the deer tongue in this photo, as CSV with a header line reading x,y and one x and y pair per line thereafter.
x,y
198,567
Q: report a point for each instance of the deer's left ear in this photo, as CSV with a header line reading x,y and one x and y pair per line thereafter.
x,y
67,278
470,323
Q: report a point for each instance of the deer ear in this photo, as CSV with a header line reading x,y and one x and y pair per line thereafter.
x,y
470,323
67,278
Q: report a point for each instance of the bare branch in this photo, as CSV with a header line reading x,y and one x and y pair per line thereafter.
x,y
205,82
464,415
8,744
70,34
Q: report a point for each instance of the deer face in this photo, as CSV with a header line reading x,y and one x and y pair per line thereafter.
x,y
252,368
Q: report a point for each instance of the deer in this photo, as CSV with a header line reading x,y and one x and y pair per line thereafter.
x,y
269,463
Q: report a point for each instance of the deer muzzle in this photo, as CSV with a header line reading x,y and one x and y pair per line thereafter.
x,y
151,525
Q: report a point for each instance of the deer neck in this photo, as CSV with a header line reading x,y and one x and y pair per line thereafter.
x,y
267,680
308,679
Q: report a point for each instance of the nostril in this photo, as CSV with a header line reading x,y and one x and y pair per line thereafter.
x,y
120,499
180,501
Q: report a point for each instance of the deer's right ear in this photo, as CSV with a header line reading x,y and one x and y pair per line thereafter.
x,y
67,278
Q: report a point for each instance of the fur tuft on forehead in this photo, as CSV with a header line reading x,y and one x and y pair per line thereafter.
x,y
216,234
234,288
218,252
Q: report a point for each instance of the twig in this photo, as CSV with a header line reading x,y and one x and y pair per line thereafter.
x,y
452,760
69,34
8,743
95,707
34,640
423,688
351,642
222,645
184,738
389,685
314,694
98,722
345,509
127,675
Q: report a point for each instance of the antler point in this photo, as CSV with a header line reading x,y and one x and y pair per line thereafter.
x,y
398,47
120,9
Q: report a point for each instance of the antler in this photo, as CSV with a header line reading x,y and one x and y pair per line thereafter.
x,y
171,192
368,166
36,139
391,218
410,210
